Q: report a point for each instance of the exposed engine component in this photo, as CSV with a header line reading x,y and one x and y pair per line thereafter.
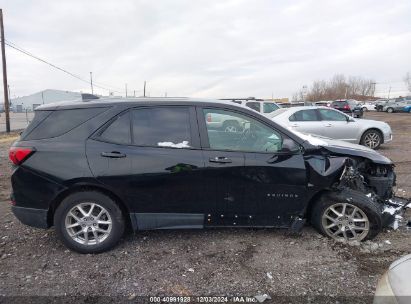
x,y
376,182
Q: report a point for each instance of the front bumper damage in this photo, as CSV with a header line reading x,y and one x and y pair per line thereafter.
x,y
377,183
393,213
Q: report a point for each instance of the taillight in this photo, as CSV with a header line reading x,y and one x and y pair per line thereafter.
x,y
346,107
208,117
19,154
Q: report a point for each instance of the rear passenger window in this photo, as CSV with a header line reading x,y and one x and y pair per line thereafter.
x,y
162,127
118,131
304,115
61,121
39,116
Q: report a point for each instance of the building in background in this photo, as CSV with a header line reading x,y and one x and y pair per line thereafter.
x,y
31,102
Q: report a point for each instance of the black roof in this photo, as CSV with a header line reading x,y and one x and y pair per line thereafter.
x,y
103,102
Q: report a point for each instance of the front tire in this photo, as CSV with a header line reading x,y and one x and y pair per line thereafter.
x,y
348,215
371,139
390,110
364,109
89,222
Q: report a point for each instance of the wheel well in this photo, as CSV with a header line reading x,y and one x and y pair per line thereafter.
x,y
77,188
375,129
316,197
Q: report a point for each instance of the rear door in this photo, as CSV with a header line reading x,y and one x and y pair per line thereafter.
x,y
151,157
307,121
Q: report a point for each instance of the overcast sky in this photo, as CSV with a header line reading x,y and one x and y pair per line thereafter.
x,y
207,48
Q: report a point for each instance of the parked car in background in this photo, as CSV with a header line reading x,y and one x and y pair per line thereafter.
x,y
380,103
348,106
333,124
397,104
394,287
367,106
407,109
323,103
93,168
296,104
261,106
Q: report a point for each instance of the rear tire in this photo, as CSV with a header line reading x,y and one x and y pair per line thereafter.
x,y
372,139
364,109
89,222
366,222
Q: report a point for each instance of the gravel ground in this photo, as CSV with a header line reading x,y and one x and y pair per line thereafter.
x,y
223,262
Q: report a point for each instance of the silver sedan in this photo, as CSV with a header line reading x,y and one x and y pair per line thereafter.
x,y
334,124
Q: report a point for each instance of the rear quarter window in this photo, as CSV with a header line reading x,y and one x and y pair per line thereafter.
x,y
39,116
58,122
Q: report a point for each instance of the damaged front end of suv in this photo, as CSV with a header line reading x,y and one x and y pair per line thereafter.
x,y
359,199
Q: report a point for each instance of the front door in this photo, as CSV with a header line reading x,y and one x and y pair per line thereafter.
x,y
337,125
261,179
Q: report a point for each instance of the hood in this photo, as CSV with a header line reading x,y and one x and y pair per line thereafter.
x,y
343,148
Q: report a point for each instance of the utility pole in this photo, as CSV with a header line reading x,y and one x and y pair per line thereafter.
x,y
373,88
91,82
134,93
42,96
389,92
144,94
126,90
5,86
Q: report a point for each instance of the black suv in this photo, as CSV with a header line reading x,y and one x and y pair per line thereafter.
x,y
93,168
348,106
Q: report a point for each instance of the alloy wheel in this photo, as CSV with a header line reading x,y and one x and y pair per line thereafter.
x,y
88,223
230,128
372,140
344,221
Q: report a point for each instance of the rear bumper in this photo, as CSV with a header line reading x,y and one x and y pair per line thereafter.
x,y
31,217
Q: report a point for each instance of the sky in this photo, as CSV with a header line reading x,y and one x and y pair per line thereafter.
x,y
206,48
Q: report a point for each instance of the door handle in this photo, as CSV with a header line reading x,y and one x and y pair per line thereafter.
x,y
294,125
220,159
328,125
113,154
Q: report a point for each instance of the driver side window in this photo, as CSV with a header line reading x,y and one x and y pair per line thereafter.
x,y
236,132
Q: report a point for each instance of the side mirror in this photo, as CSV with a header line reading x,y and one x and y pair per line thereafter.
x,y
350,119
289,145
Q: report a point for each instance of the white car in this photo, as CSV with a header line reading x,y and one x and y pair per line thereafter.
x,y
263,107
367,106
394,287
334,124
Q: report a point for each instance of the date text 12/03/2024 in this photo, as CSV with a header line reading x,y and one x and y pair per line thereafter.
x,y
204,299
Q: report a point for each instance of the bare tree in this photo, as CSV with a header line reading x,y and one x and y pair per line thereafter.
x,y
339,87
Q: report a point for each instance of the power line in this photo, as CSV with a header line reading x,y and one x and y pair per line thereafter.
x,y
14,46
